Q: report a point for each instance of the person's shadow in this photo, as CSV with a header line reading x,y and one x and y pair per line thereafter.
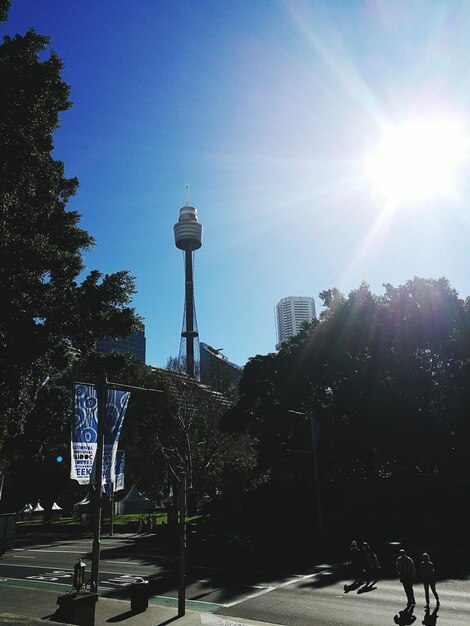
x,y
405,617
352,586
430,619
367,588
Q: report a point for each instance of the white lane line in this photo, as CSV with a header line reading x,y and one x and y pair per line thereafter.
x,y
217,620
31,566
252,595
207,580
57,551
297,580
187,599
19,556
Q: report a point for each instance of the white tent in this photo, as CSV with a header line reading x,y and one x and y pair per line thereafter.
x,y
84,506
38,511
56,511
134,502
25,512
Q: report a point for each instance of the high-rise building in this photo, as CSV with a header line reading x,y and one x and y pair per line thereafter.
x,y
290,313
135,343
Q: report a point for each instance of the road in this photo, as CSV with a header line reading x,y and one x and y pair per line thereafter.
x,y
248,589
211,583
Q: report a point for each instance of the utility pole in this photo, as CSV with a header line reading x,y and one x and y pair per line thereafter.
x,y
182,547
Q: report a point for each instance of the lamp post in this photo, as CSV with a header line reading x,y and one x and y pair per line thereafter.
x,y
98,473
98,487
182,547
316,479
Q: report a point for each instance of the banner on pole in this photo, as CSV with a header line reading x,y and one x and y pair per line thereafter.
x,y
84,432
119,472
116,405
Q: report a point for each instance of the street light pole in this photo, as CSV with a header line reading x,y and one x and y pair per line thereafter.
x,y
316,479
182,546
315,476
98,487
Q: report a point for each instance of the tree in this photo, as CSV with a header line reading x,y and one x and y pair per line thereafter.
x,y
47,314
384,374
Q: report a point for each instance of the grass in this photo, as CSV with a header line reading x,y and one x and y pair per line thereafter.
x,y
161,518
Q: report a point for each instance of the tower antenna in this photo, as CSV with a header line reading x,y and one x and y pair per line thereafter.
x,y
187,193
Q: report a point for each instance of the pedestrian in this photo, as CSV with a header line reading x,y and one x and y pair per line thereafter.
x,y
406,572
371,565
428,577
355,560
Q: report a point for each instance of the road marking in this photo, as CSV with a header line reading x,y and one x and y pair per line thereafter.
x,y
18,556
57,551
214,620
251,596
120,562
22,582
187,600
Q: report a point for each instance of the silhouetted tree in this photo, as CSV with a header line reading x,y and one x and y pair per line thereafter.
x,y
47,314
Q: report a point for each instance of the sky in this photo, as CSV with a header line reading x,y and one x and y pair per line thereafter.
x,y
272,111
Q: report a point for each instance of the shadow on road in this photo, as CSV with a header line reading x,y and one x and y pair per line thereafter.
x,y
405,617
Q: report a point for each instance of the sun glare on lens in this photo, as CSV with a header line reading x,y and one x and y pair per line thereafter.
x,y
418,161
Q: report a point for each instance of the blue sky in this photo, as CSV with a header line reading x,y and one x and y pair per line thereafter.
x,y
269,110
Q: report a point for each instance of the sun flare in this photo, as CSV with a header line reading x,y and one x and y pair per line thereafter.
x,y
418,161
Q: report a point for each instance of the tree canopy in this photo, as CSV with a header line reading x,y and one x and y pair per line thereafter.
x,y
49,313
386,375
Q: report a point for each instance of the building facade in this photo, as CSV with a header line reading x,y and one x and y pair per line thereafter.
x,y
218,372
290,312
135,343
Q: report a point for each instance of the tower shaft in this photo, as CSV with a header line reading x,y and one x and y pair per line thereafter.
x,y
189,333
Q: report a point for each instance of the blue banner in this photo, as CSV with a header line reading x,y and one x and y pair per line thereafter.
x,y
85,432
116,405
119,473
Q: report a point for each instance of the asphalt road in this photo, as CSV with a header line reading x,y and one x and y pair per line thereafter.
x,y
239,588
210,583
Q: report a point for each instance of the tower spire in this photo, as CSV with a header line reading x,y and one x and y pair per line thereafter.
x,y
188,238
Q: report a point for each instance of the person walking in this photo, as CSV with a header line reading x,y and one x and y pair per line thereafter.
x,y
406,571
371,565
428,577
355,560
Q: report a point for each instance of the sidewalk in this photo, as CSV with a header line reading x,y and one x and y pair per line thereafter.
x,y
19,603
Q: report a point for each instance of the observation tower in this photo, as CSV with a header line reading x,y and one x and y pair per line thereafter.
x,y
188,238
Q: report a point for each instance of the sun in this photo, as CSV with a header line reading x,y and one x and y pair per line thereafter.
x,y
418,160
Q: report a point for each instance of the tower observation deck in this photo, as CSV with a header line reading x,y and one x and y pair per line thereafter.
x,y
188,238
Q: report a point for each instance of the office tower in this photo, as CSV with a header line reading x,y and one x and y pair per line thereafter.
x,y
135,343
188,238
290,313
